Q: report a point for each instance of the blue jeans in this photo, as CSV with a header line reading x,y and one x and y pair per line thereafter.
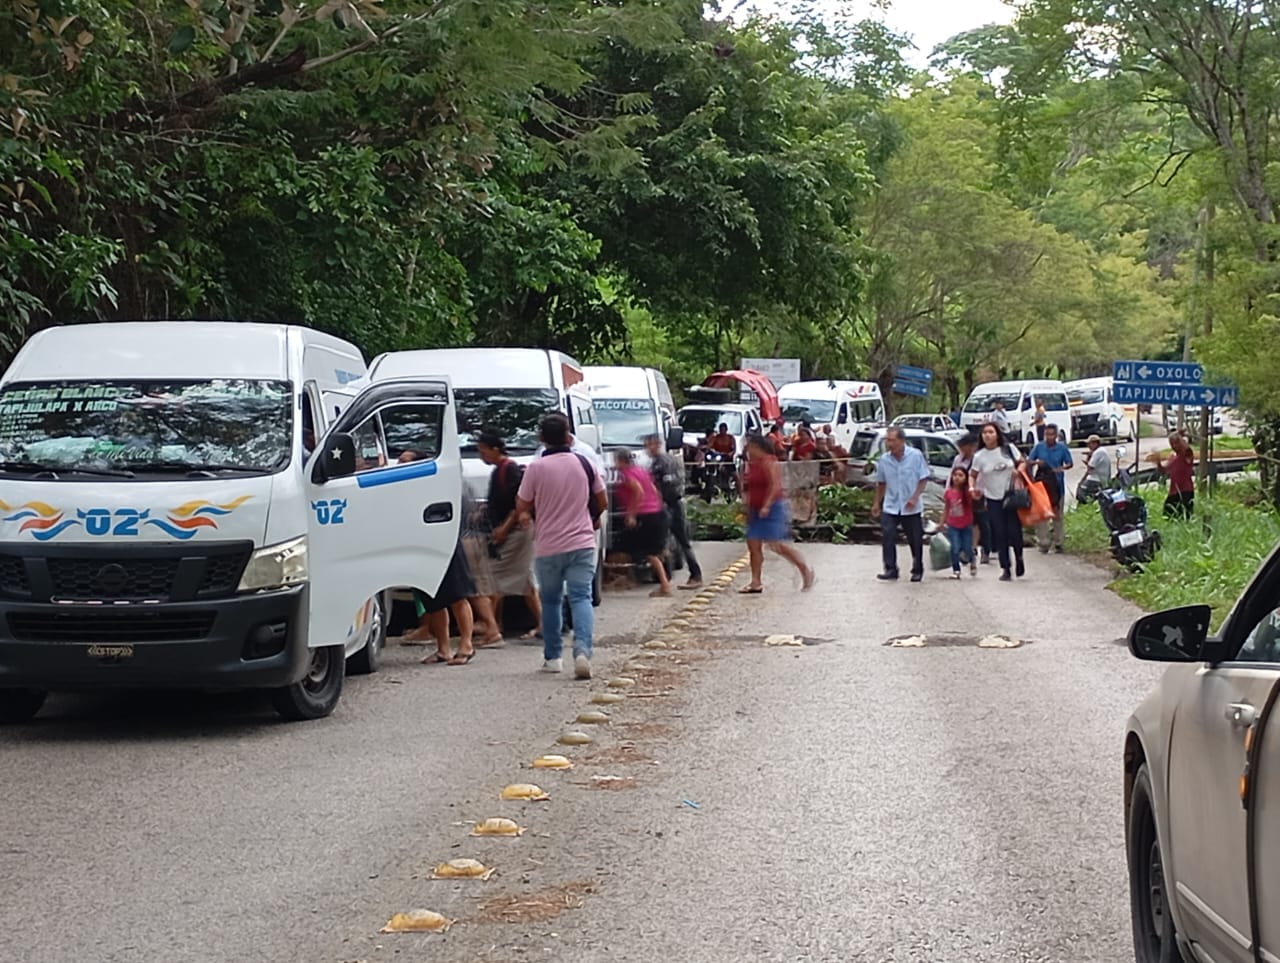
x,y
578,571
961,540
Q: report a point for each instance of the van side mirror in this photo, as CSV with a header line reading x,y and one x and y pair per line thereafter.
x,y
338,460
675,438
589,435
843,417
1175,635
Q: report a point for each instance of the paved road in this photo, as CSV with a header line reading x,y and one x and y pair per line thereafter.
x,y
846,799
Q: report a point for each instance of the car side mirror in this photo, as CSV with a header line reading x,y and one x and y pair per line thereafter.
x,y
337,460
675,438
1175,635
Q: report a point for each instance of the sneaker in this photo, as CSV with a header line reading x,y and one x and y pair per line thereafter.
x,y
691,585
956,573
973,569
917,576
986,558
1018,568
553,665
1005,576
581,667
888,576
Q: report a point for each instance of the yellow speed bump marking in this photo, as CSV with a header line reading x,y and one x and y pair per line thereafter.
x,y
552,762
524,790
607,698
462,869
497,826
574,738
654,644
593,717
622,682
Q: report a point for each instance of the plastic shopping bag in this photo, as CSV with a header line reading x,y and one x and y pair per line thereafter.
x,y
939,551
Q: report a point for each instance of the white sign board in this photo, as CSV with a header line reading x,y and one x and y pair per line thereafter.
x,y
781,371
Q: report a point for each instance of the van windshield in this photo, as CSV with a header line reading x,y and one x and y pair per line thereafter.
x,y
1086,396
705,421
513,413
814,412
625,421
987,402
135,426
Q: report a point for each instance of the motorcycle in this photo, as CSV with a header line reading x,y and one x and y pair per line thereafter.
x,y
719,476
1125,515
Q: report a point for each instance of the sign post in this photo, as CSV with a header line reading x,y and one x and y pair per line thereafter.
x,y
910,380
781,371
1168,383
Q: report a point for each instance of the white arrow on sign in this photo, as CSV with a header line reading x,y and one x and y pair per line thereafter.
x,y
1144,372
1207,396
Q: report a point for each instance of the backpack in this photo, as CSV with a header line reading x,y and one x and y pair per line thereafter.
x,y
668,485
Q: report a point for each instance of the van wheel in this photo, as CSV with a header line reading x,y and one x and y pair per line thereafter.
x,y
317,692
1154,937
20,705
365,662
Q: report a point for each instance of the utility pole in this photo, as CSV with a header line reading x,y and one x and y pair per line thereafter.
x,y
1206,415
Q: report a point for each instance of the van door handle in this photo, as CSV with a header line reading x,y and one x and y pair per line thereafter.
x,y
439,512
1241,715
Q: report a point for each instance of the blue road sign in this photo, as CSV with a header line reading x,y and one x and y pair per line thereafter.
x,y
914,388
1196,396
1158,372
906,372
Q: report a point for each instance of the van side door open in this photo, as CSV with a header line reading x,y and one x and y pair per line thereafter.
x,y
385,492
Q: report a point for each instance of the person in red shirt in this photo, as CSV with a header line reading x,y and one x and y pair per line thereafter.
x,y
803,447
768,515
644,515
722,442
959,504
1180,467
778,437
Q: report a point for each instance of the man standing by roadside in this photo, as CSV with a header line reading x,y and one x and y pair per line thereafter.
x,y
568,496
1051,458
998,416
668,475
1180,466
901,477
1097,463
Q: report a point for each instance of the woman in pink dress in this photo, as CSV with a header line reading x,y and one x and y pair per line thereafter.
x,y
645,516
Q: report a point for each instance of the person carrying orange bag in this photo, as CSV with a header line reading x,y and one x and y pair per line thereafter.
x,y
1050,458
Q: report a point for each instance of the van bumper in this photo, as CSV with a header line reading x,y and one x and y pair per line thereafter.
x,y
252,641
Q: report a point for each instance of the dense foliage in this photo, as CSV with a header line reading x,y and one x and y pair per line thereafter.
x,y
656,182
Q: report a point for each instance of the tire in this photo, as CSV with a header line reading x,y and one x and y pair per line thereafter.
x,y
316,694
365,662
20,705
1155,938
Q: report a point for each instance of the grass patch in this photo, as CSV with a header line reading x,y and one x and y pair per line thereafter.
x,y
1206,560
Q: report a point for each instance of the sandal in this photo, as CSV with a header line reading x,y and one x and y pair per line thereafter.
x,y
435,658
531,634
809,578
660,594
751,591
464,656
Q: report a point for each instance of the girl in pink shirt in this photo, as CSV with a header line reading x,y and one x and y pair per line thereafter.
x,y
645,517
959,505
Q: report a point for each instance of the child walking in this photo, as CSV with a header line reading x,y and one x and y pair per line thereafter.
x,y
960,522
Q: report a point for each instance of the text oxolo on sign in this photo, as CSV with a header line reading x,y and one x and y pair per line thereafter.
x,y
1158,373
1202,396
910,380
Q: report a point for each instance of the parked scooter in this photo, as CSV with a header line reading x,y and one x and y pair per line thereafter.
x,y
719,476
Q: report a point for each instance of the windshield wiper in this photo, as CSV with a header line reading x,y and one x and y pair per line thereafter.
x,y
35,468
196,467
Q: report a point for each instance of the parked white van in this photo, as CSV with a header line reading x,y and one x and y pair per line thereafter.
x,y
844,405
1094,410
210,505
1020,399
631,404
507,390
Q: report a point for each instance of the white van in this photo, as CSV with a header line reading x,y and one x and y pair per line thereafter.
x,y
1020,399
210,505
508,390
630,405
844,405
1095,411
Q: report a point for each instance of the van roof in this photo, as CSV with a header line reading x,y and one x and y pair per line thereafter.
x,y
991,386
164,349
1087,382
617,381
823,388
479,367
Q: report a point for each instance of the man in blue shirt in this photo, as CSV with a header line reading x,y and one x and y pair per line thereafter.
x,y
901,477
1050,459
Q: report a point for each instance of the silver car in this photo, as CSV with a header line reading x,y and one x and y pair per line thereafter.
x,y
1202,784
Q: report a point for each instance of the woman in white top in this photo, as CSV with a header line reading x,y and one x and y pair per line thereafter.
x,y
991,476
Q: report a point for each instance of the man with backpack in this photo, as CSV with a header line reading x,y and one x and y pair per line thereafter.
x,y
668,475
568,496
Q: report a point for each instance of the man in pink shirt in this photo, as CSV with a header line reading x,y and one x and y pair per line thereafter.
x,y
567,496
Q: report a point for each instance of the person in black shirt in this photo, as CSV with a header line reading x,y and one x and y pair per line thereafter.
x,y
510,546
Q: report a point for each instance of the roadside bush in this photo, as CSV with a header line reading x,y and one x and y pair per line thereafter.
x,y
1205,560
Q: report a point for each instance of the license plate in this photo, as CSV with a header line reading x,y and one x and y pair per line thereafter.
x,y
1130,539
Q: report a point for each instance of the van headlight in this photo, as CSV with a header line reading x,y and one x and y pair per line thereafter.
x,y
276,566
